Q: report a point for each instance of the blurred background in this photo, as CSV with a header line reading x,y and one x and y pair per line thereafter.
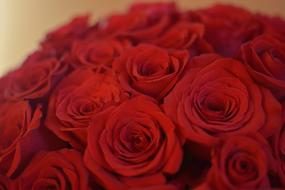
x,y
23,23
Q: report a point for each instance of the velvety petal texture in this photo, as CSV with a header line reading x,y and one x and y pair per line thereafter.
x,y
134,151
150,70
8,184
227,27
265,56
142,22
22,84
98,54
279,154
217,96
240,162
17,120
76,100
185,35
58,170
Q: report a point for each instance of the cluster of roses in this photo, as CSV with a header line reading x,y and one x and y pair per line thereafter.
x,y
153,99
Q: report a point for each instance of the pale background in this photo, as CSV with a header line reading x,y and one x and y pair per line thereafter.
x,y
23,23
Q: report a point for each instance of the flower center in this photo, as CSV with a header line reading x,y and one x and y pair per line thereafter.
x,y
137,138
242,168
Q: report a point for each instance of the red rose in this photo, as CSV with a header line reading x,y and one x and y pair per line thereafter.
x,y
265,56
150,70
133,152
184,35
34,79
227,27
77,98
60,40
62,170
142,22
98,54
17,120
217,96
240,162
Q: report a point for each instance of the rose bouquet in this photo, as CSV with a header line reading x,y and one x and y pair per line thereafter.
x,y
151,99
